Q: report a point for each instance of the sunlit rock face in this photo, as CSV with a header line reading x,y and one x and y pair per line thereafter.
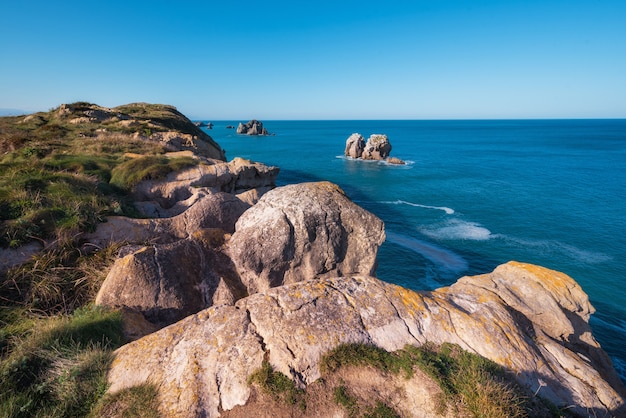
x,y
293,233
304,231
529,319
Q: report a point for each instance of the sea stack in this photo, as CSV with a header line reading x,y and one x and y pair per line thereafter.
x,y
377,147
253,127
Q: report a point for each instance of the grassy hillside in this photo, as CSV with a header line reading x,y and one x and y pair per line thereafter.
x,y
61,173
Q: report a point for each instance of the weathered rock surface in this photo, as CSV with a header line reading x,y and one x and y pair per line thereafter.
x,y
180,190
253,127
295,233
395,161
210,195
167,282
355,144
529,319
377,147
302,231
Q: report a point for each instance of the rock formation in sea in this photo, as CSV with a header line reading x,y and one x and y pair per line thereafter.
x,y
377,147
355,144
253,127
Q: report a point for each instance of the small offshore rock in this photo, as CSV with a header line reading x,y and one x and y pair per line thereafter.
x,y
355,146
395,161
253,127
377,147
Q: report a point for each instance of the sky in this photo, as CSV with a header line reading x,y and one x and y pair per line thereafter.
x,y
341,59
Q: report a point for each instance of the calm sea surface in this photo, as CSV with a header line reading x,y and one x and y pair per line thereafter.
x,y
477,194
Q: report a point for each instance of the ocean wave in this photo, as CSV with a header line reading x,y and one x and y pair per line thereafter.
x,y
570,251
439,256
447,210
457,229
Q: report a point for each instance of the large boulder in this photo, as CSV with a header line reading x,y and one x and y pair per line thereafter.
x,y
167,282
303,231
298,233
355,144
377,147
253,127
531,320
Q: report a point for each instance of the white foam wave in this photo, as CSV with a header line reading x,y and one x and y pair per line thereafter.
x,y
439,256
570,251
447,210
407,163
458,229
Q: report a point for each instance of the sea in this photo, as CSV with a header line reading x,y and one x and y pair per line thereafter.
x,y
475,194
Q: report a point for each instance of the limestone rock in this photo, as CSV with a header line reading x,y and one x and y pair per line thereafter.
x,y
529,319
395,161
179,190
253,127
355,145
303,231
377,147
167,282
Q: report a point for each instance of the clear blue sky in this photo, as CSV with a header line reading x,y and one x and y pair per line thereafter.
x,y
320,60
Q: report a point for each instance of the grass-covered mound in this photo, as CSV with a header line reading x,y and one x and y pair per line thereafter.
x,y
62,171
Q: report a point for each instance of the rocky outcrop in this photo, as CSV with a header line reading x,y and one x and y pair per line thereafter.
x,y
178,191
303,231
167,282
253,127
377,147
531,320
355,144
293,233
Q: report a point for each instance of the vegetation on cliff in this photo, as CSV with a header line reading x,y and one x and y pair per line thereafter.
x,y
469,385
63,172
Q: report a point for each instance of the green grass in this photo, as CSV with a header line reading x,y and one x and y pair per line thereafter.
x,y
342,396
278,385
135,402
56,172
56,366
60,177
131,172
56,281
479,384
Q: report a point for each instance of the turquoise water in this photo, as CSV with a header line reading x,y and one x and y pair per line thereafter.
x,y
477,194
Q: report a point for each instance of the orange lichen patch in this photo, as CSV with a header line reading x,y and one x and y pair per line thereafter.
x,y
410,299
552,279
327,186
565,289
